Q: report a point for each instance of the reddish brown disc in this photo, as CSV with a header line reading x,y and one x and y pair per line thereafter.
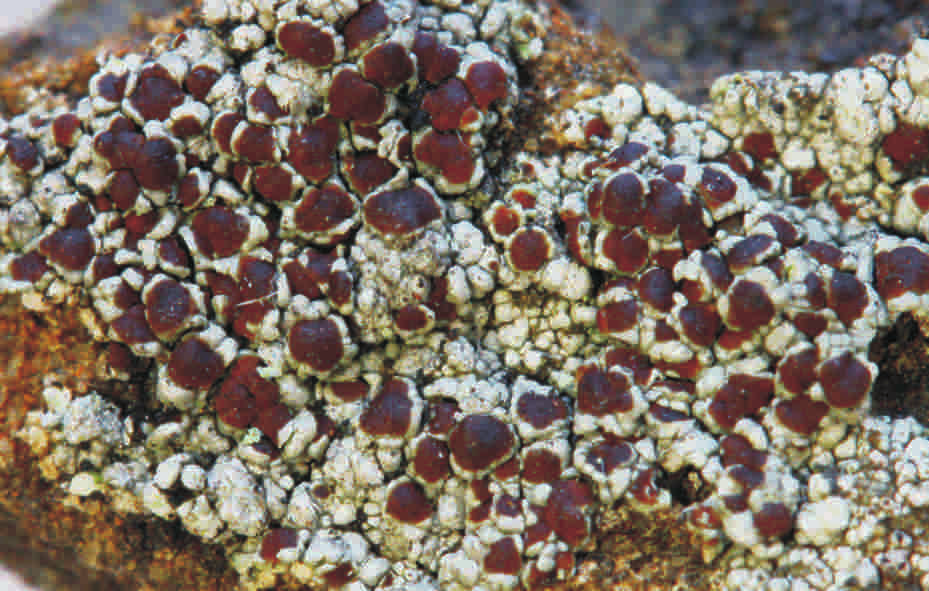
x,y
601,393
773,520
750,252
367,171
737,450
167,307
317,343
749,306
806,182
701,323
431,460
597,127
234,405
563,511
401,212
644,489
920,197
194,365
264,101
505,221
449,153
354,98
606,456
656,288
541,465
846,381
65,129
28,267
801,414
156,167
479,441
307,42
255,286
507,470
823,252
540,410
412,317
338,577
716,268
448,105
189,192
200,81
274,183
442,416
811,324
625,155
407,503
349,391
156,93
255,143
787,233
749,478
716,187
311,148
742,395
112,87
664,332
617,316
277,540
132,328
308,280
628,251
503,558
321,210
759,145
907,145
272,419
120,358
901,270
435,61
530,249
623,200
219,232
388,65
797,371
848,297
72,248
487,83
666,209
538,532
390,413
365,24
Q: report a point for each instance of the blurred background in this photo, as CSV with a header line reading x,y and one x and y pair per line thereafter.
x,y
686,44
12,582
14,15
683,44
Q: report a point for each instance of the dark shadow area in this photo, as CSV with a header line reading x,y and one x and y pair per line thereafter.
x,y
902,354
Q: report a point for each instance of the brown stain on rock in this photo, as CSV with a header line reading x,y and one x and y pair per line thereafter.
x,y
575,65
32,59
58,541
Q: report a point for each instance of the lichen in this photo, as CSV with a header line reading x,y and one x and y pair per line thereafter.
x,y
397,349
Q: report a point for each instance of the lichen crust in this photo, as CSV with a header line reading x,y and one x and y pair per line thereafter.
x,y
396,350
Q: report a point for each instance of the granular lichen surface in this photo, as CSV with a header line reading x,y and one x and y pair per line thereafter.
x,y
374,342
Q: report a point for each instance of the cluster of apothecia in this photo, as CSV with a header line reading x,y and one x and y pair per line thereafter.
x,y
399,354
